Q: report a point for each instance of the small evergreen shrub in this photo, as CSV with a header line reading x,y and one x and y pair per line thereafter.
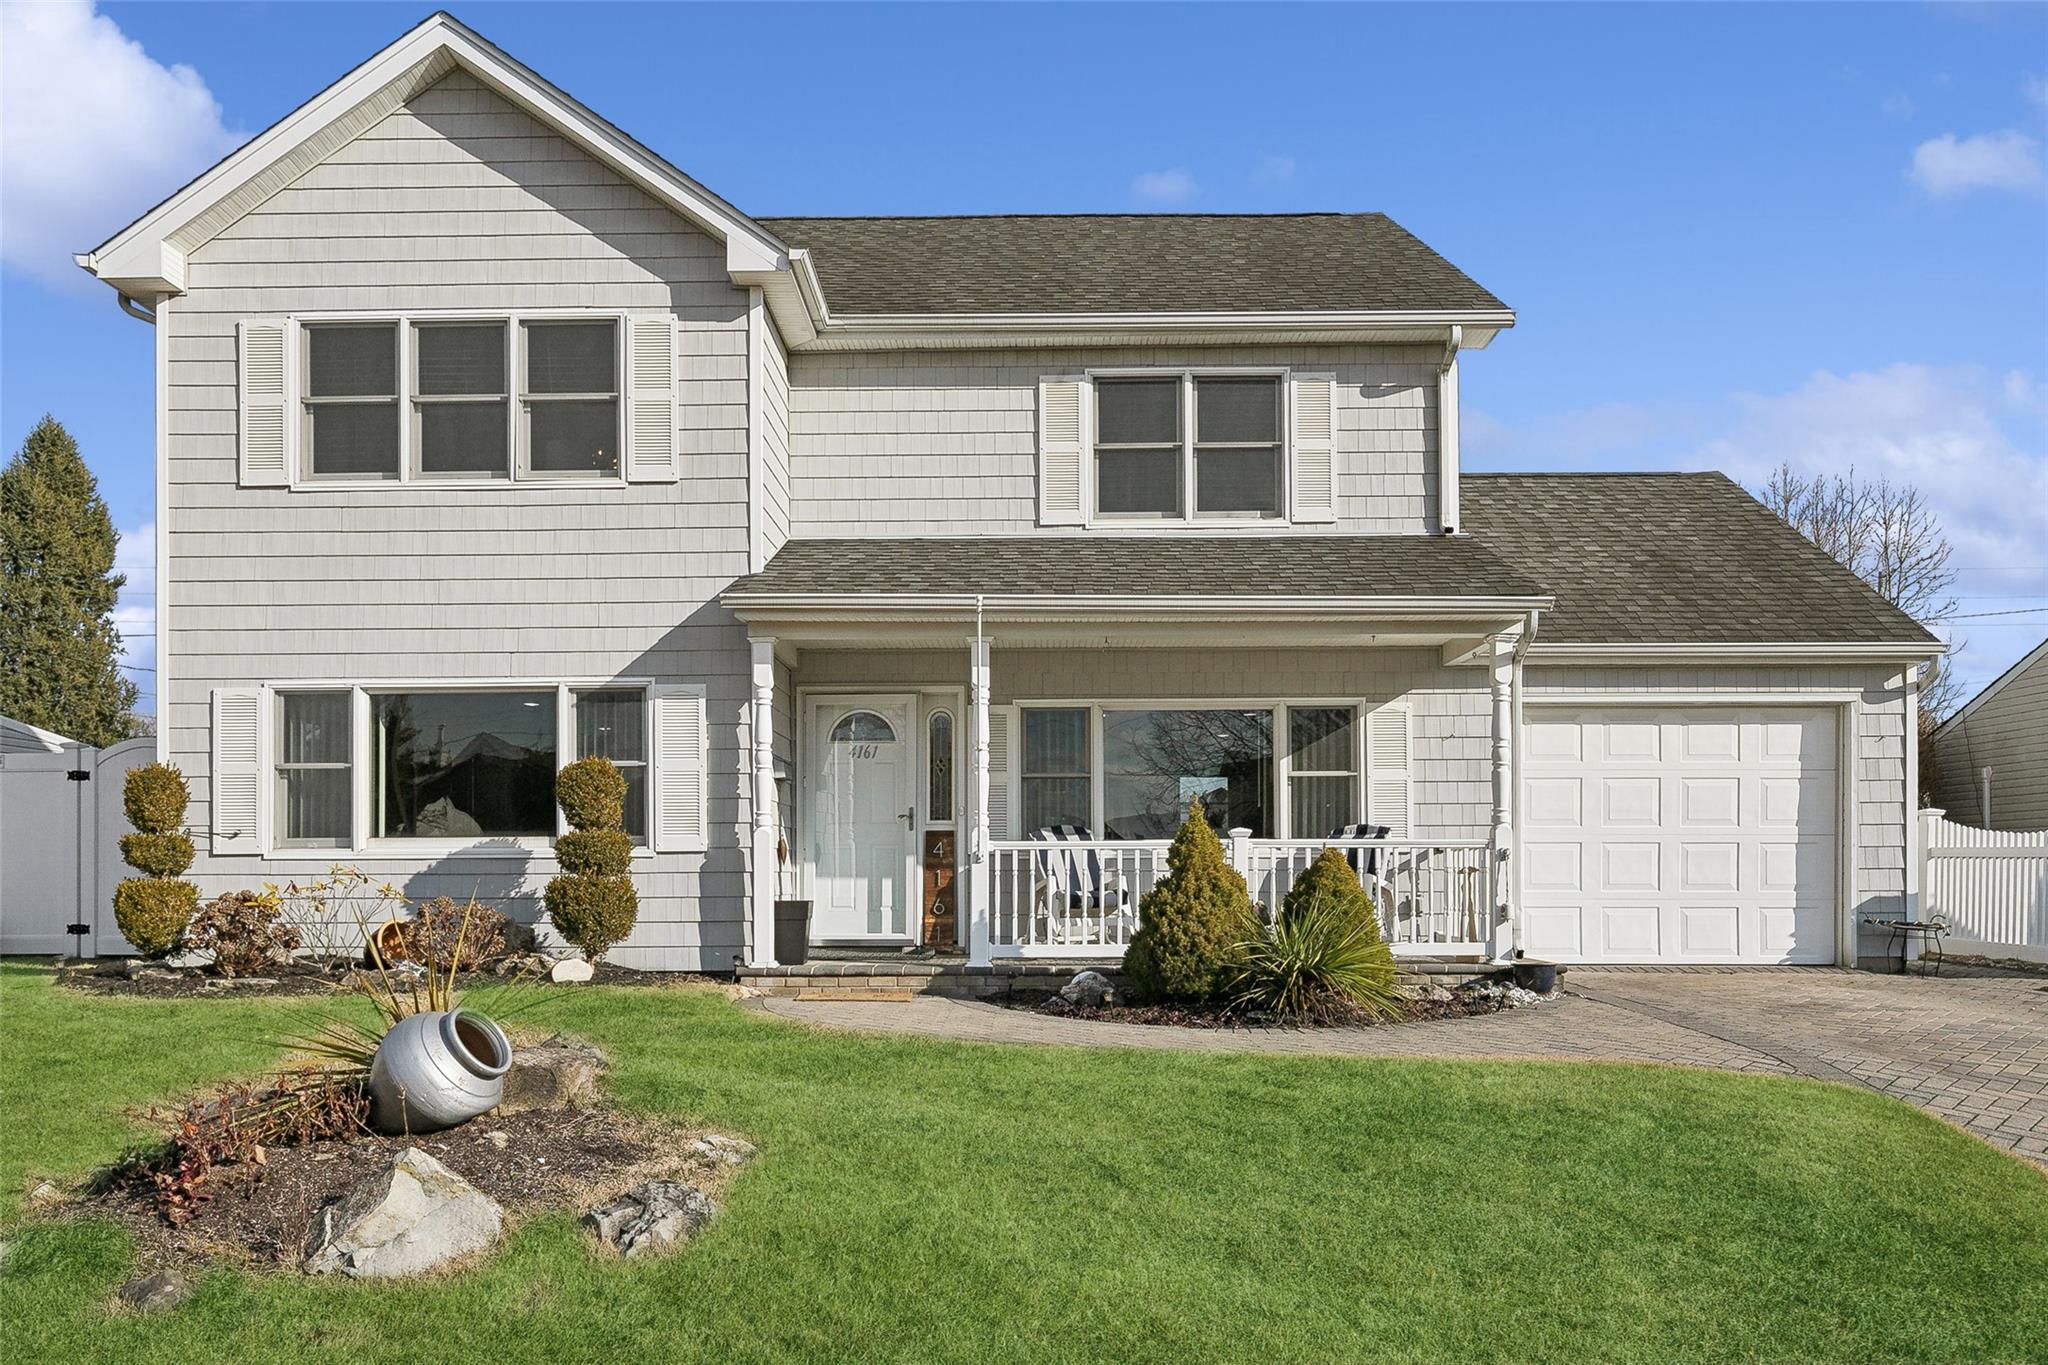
x,y
1319,962
160,855
152,913
593,903
598,852
592,912
1330,878
592,794
154,798
1192,921
244,930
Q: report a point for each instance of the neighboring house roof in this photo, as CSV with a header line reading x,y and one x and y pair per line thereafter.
x,y
1143,566
1673,559
2037,657
19,737
1129,264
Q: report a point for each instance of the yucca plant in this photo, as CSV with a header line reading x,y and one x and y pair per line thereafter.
x,y
1319,963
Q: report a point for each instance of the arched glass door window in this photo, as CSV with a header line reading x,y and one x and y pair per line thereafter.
x,y
939,767
863,727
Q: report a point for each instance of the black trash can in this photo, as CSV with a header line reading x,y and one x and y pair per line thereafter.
x,y
792,932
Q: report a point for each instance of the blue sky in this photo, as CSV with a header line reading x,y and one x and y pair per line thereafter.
x,y
1733,233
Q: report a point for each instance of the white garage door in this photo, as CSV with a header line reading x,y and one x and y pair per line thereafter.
x,y
1698,834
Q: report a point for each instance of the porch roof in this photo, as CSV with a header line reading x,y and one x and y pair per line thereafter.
x,y
1452,571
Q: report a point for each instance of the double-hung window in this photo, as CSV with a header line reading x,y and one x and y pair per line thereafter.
x,y
613,724
1322,771
1190,445
1056,770
463,399
314,766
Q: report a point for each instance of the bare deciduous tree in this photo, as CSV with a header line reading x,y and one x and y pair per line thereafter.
x,y
1888,536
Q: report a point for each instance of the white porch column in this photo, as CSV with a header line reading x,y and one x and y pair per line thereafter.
x,y
766,870
1501,664
978,927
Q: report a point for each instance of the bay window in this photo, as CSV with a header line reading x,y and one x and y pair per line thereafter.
x,y
1189,446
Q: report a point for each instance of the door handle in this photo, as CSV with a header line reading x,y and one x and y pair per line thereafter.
x,y
911,815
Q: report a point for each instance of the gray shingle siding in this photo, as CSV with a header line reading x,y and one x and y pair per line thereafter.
x,y
2007,733
896,444
460,201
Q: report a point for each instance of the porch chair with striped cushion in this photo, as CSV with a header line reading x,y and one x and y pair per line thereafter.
x,y
1075,902
1366,863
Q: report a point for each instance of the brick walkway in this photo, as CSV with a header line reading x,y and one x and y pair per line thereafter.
x,y
1972,1049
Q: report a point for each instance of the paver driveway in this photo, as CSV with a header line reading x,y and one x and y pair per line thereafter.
x,y
1971,1048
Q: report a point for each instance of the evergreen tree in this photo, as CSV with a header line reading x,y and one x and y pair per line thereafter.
x,y
59,652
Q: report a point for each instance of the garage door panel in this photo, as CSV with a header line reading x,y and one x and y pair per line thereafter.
x,y
1703,834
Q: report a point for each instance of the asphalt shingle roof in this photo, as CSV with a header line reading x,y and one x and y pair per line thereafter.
x,y
1672,558
1146,566
1128,263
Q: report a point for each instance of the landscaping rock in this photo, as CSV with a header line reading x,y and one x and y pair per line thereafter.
x,y
561,1073
1432,992
43,1196
731,1151
1089,988
1507,996
412,1217
224,983
571,969
155,1293
650,1218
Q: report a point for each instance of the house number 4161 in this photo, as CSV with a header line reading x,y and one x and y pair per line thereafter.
x,y
864,750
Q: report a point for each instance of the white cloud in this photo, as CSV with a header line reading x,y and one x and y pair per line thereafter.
x,y
1937,430
92,132
1274,169
135,610
2005,160
1898,106
1173,186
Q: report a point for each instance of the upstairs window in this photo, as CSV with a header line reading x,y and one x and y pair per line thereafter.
x,y
461,415
571,400
351,429
1185,446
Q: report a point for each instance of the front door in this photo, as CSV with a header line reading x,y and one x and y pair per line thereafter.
x,y
863,819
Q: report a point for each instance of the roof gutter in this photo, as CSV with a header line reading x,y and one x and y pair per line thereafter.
x,y
940,605
1565,652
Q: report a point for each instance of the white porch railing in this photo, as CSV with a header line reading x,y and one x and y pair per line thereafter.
x,y
1081,899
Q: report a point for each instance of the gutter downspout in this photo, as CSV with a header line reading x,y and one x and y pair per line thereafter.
x,y
136,310
1517,751
1447,433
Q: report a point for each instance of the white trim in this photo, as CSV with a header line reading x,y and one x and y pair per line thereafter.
x,y
1447,437
146,250
2033,656
1729,652
1831,696
161,709
757,427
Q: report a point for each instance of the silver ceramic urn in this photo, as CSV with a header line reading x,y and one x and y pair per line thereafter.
x,y
437,1069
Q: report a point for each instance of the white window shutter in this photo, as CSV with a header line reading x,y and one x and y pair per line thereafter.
x,y
1315,447
680,764
1389,790
652,447
267,398
1062,450
237,770
1002,725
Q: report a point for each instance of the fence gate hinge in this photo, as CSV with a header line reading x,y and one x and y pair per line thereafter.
x,y
79,775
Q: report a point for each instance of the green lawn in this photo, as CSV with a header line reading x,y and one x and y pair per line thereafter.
x,y
929,1201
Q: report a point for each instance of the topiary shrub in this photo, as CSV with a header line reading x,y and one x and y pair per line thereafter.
x,y
592,794
592,912
598,852
153,911
160,855
1191,923
154,798
593,903
244,930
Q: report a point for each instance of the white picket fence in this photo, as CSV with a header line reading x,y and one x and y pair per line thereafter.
x,y
1990,885
60,847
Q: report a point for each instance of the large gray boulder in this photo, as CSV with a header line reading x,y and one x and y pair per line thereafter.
x,y
650,1218
414,1216
561,1073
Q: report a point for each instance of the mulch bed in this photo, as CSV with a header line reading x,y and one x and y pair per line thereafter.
x,y
109,976
528,1162
1460,1005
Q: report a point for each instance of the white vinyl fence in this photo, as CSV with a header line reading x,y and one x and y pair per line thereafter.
x,y
60,847
1990,885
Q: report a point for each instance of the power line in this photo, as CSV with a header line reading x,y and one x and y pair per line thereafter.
x,y
1980,615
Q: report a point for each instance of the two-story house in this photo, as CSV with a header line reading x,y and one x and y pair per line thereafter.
x,y
881,552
